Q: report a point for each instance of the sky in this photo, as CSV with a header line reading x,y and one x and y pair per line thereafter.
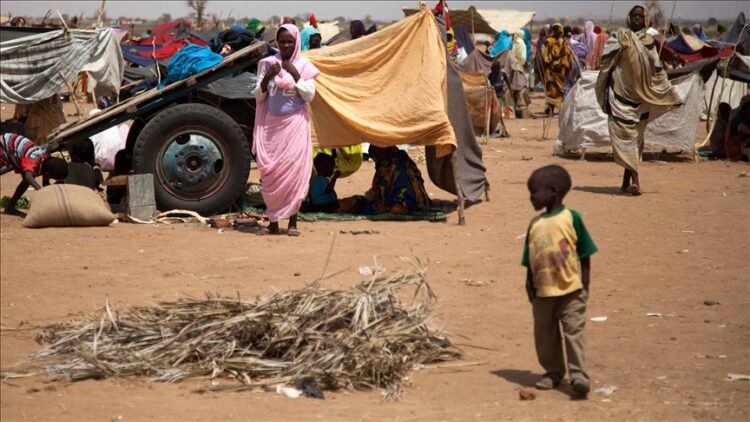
x,y
378,10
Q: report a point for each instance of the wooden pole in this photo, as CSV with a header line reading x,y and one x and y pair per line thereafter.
x,y
487,110
611,9
473,37
100,16
459,191
72,94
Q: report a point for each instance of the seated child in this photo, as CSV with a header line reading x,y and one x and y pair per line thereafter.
x,y
322,196
21,155
82,169
116,194
557,255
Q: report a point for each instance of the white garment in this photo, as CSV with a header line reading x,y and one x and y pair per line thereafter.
x,y
106,144
652,31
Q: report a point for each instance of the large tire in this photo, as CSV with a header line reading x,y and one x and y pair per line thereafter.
x,y
198,155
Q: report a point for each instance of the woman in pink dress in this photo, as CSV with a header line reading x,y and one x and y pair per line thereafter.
x,y
281,140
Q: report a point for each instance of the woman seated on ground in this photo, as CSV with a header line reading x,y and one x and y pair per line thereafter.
x,y
397,186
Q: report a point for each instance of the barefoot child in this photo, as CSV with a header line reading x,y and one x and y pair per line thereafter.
x,y
557,257
21,155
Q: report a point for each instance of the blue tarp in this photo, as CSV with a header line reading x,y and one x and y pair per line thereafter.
x,y
191,60
130,54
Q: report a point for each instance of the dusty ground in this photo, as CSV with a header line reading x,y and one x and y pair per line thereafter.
x,y
681,243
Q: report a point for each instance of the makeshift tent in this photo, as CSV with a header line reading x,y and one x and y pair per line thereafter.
x,y
31,67
363,96
485,21
327,30
735,85
583,123
687,48
481,99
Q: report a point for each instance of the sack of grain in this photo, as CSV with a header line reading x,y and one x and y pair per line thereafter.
x,y
67,205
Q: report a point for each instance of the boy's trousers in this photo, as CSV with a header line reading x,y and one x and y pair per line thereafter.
x,y
571,311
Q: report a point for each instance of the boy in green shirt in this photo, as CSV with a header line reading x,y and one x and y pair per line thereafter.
x,y
557,257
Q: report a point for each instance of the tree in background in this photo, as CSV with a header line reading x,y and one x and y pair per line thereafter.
x,y
199,9
712,21
165,17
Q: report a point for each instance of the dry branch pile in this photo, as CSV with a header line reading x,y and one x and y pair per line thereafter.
x,y
360,338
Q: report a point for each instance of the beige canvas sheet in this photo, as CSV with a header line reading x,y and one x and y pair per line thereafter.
x,y
387,88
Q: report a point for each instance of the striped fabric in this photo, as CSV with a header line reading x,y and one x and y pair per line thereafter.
x,y
30,67
20,154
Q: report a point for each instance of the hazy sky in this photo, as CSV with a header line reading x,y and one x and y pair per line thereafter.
x,y
379,10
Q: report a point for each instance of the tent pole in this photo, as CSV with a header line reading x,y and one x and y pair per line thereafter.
x,y
100,15
459,191
72,94
473,37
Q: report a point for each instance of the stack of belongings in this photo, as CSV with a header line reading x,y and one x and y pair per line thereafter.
x,y
154,65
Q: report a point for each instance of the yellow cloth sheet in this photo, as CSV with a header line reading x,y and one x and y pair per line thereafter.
x,y
386,88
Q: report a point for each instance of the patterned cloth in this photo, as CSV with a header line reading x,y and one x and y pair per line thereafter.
x,y
19,154
557,60
398,185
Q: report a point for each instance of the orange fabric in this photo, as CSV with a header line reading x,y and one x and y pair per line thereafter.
x,y
386,88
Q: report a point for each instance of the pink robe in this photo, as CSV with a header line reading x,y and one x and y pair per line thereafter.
x,y
281,139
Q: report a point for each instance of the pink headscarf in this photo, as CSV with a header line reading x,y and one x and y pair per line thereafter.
x,y
307,70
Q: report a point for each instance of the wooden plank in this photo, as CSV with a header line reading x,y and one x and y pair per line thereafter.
x,y
141,200
116,181
131,104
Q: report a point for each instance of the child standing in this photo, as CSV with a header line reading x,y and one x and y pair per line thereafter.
x,y
21,155
557,256
82,169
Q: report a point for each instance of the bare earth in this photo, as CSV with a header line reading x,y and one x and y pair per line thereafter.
x,y
683,242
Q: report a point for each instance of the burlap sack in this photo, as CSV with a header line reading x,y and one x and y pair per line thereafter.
x,y
65,206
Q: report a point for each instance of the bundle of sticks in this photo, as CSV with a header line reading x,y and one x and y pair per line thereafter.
x,y
361,338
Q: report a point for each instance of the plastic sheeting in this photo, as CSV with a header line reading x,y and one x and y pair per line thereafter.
x,y
377,89
583,123
30,67
732,94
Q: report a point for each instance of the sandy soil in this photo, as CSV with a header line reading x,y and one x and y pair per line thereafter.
x,y
683,242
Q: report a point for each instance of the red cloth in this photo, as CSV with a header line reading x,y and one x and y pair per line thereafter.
x,y
669,54
165,52
197,41
158,39
438,10
168,27
313,21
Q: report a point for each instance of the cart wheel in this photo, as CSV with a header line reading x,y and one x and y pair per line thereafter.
x,y
198,155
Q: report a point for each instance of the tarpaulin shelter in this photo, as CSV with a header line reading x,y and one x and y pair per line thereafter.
x,y
32,68
486,21
687,48
583,123
362,95
481,100
327,30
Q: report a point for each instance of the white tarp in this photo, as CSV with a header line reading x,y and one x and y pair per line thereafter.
x,y
30,67
583,123
510,20
733,93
